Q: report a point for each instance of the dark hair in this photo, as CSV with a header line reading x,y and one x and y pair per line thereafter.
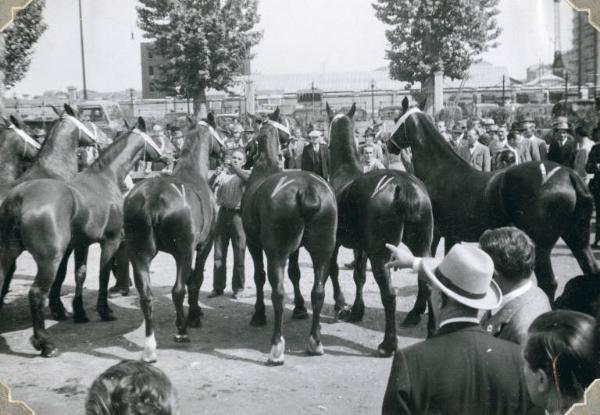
x,y
511,250
581,131
561,343
132,388
511,136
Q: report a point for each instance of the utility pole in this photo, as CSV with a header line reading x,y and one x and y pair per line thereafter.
x,y
82,52
131,101
566,89
312,99
580,21
503,88
373,101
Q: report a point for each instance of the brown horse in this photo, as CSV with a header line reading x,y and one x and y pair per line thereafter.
x,y
50,218
544,199
383,206
16,146
282,211
176,215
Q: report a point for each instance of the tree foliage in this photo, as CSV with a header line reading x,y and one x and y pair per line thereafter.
x,y
430,35
19,37
204,43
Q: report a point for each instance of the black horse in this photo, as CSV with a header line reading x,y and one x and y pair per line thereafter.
x,y
176,215
50,218
544,199
282,211
383,206
16,146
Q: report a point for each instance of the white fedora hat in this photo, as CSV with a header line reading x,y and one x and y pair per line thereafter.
x,y
465,275
315,134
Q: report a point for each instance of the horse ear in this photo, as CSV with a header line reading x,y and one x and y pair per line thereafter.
x,y
55,110
329,111
405,104
276,114
126,124
422,104
7,123
352,110
15,121
69,110
141,124
210,118
191,122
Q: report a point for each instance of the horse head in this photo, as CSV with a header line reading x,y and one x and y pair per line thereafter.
x,y
69,123
406,131
217,146
272,136
16,138
153,151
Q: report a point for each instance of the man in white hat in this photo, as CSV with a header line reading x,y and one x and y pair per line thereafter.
x,y
315,156
462,369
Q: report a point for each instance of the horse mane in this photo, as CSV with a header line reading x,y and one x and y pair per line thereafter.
x,y
109,154
432,133
342,146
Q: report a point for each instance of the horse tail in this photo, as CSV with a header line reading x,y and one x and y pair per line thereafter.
x,y
309,202
409,201
579,231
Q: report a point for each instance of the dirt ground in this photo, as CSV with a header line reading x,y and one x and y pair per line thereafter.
x,y
222,370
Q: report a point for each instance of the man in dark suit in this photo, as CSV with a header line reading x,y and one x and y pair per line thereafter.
x,y
462,369
562,149
315,156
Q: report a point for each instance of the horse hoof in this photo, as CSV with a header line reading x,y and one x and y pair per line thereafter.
x,y
150,358
300,313
181,338
385,349
80,318
59,313
106,314
411,320
194,322
313,348
258,320
277,354
342,313
46,349
352,315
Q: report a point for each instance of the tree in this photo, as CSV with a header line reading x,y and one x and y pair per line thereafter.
x,y
204,42
431,35
19,37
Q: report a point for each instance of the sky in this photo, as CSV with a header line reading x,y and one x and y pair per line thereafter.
x,y
299,36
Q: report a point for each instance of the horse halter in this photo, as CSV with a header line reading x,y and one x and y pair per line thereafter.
x,y
81,127
148,141
25,137
279,126
213,132
401,122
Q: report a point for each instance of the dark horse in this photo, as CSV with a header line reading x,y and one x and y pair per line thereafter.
x,y
282,211
57,159
544,199
50,218
176,215
383,206
16,146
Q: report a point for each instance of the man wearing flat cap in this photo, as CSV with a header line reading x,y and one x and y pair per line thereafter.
x,y
462,369
315,156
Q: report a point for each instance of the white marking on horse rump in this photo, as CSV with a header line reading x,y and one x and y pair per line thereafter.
x,y
547,176
280,185
383,182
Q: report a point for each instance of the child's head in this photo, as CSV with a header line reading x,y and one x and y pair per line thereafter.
x,y
132,388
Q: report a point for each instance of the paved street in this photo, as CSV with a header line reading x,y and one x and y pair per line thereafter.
x,y
222,370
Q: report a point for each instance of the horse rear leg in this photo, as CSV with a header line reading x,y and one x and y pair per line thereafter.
x,y
259,318
38,295
300,312
120,269
7,279
81,254
275,270
543,271
57,309
360,276
195,282
141,277
388,299
8,258
317,296
109,246
183,261
338,296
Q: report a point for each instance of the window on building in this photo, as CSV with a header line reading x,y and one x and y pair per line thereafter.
x,y
150,54
151,70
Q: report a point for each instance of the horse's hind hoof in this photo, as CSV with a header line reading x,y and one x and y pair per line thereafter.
x,y
300,313
386,349
80,318
181,338
106,314
258,320
273,363
411,320
59,313
46,349
342,313
352,315
313,348
194,322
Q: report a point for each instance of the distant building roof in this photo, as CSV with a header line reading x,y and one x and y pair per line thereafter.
x,y
481,75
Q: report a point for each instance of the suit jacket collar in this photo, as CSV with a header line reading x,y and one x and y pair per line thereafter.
x,y
454,327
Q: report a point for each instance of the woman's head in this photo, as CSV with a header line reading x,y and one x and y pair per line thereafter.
x,y
560,358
